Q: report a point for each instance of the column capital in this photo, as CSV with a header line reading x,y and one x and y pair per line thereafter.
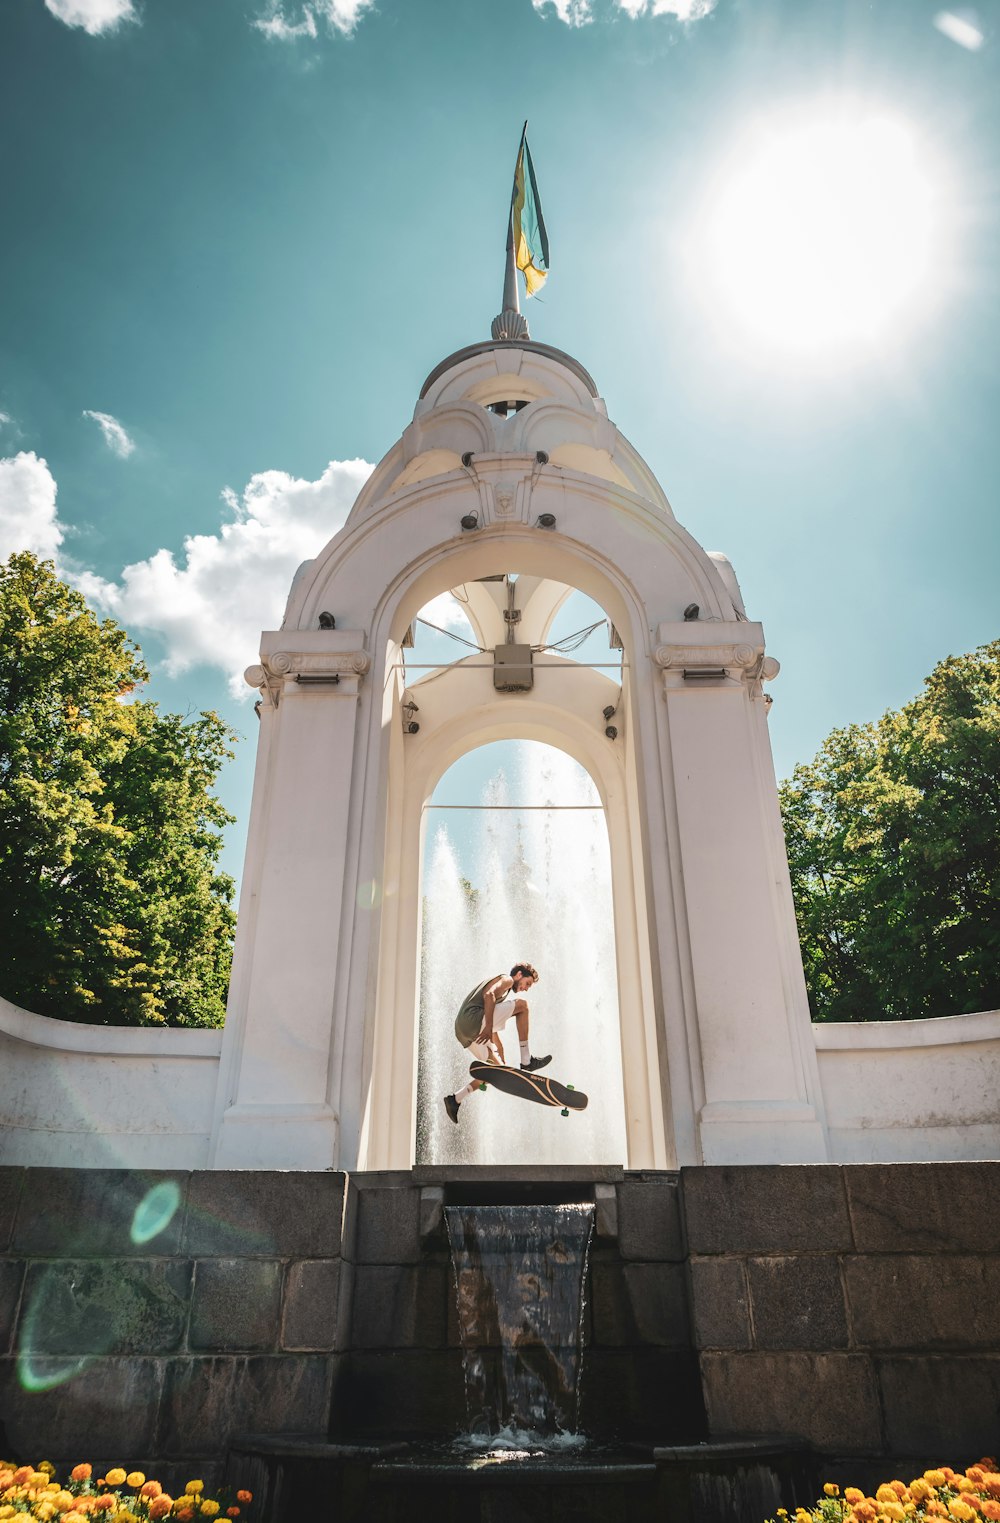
x,y
707,653
300,660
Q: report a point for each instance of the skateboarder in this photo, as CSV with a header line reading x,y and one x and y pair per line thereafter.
x,y
485,1011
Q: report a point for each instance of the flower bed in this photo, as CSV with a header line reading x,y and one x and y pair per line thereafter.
x,y
960,1497
117,1497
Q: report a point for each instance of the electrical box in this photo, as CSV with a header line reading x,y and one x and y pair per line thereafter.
x,y
512,671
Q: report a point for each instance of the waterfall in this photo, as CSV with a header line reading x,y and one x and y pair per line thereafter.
x,y
519,1276
538,890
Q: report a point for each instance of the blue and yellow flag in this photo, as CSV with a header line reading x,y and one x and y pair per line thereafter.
x,y
527,228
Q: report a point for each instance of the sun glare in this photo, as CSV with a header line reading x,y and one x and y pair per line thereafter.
x,y
820,235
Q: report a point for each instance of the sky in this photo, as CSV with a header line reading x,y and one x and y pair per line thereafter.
x,y
238,235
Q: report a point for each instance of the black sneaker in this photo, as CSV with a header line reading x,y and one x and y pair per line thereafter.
x,y
530,1067
451,1106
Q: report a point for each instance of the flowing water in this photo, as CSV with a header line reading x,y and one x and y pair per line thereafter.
x,y
539,891
519,1276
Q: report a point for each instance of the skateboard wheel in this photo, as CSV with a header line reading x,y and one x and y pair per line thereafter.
x,y
571,1086
482,1086
564,1113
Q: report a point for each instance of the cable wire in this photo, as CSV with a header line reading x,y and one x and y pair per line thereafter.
x,y
572,642
452,636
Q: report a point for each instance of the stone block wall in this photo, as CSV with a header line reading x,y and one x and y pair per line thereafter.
x,y
147,1317
143,1316
855,1306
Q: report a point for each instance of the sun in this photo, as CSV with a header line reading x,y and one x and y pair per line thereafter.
x,y
821,235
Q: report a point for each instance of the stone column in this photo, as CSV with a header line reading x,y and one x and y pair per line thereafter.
x,y
273,1107
759,1079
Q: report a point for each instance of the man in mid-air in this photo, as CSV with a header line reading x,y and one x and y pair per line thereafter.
x,y
485,1011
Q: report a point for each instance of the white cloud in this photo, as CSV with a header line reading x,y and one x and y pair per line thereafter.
x,y
340,16
28,507
95,16
962,28
280,30
579,12
5,417
573,12
683,10
115,436
447,613
210,606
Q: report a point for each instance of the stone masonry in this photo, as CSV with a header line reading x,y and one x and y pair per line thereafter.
x,y
854,1307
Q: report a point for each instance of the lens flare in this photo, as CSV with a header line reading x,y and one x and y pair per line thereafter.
x,y
50,1306
57,1308
369,895
155,1211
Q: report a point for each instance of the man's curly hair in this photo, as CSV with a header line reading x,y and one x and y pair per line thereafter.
x,y
524,970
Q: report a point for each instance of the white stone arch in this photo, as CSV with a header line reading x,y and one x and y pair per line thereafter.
x,y
319,952
379,813
453,724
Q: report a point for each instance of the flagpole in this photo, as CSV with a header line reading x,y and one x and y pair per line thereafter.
x,y
510,324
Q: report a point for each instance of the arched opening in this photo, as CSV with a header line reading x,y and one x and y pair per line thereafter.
x,y
437,709
517,867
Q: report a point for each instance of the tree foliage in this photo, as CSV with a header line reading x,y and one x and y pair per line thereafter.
x,y
112,909
893,837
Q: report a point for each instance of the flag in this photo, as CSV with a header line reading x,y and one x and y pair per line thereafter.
x,y
527,228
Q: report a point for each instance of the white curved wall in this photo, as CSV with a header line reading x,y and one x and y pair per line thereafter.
x,y
104,1096
101,1096
912,1091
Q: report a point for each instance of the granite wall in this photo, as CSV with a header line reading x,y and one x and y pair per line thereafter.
x,y
146,1317
853,1306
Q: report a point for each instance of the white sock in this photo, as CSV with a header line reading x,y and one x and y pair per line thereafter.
x,y
525,1052
465,1091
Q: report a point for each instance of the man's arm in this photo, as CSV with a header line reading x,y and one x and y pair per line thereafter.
x,y
492,996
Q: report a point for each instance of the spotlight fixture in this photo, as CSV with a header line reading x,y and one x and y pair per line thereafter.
x,y
410,725
691,612
610,711
469,520
541,457
468,458
611,732
327,621
546,521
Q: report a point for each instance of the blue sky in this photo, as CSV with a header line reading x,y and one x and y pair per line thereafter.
x,y
237,238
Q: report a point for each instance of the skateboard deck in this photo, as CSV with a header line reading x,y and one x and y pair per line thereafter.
x,y
529,1086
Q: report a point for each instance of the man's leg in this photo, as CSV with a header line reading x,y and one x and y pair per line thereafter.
x,y
522,1018
479,1051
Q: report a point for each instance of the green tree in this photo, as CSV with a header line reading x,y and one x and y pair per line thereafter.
x,y
893,836
112,909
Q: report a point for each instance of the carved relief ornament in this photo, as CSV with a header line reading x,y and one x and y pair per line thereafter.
x,y
339,672
728,662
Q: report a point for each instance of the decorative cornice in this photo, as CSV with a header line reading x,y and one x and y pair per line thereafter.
x,y
283,670
710,657
735,656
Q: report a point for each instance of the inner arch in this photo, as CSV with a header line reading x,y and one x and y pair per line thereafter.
x,y
517,867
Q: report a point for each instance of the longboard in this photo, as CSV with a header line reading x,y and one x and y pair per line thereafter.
x,y
529,1086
